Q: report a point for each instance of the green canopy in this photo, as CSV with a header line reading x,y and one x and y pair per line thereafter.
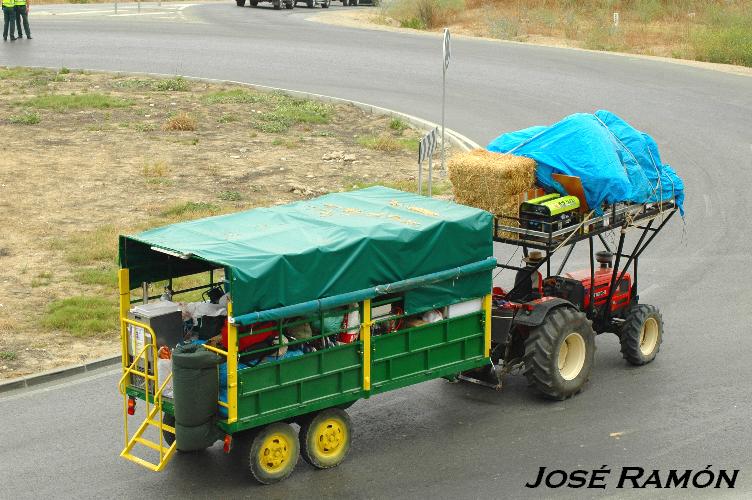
x,y
335,244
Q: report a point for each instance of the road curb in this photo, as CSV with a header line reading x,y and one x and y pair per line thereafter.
x,y
453,137
57,373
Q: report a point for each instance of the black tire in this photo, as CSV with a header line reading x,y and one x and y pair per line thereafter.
x,y
344,3
325,438
254,3
310,4
168,437
277,4
565,332
354,3
326,4
241,3
276,443
641,334
290,5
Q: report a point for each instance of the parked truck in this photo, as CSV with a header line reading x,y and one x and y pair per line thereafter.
x,y
333,300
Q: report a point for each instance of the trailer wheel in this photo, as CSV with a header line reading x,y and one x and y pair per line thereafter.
x,y
254,3
310,3
354,3
168,437
559,353
641,334
241,3
325,438
326,4
290,5
271,453
277,4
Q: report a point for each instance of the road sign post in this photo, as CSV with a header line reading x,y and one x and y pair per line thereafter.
x,y
445,65
426,147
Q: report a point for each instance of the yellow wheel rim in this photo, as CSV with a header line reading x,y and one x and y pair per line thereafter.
x,y
648,336
330,437
571,356
275,453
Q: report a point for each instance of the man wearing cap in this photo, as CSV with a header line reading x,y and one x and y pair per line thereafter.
x,y
527,280
9,19
22,12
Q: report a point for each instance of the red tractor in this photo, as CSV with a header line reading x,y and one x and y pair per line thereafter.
x,y
546,327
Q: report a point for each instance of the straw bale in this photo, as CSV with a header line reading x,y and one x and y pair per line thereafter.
x,y
491,181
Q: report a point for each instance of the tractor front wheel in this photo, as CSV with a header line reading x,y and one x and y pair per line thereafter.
x,y
271,453
641,334
559,353
325,438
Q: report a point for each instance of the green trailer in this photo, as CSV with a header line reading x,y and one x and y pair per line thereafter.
x,y
355,294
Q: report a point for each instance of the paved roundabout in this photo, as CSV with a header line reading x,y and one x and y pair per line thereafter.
x,y
688,409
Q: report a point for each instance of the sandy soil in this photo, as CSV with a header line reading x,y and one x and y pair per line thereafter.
x,y
82,169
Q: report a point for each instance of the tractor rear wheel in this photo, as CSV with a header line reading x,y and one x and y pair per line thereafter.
x,y
559,353
271,452
325,438
641,334
241,3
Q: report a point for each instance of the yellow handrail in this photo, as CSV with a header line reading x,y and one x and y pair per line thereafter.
x,y
232,368
487,305
365,335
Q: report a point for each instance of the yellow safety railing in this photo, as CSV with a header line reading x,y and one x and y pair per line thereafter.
x,y
487,305
153,400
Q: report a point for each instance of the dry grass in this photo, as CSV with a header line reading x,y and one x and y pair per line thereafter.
x,y
181,122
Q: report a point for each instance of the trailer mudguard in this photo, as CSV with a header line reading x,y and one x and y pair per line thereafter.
x,y
541,308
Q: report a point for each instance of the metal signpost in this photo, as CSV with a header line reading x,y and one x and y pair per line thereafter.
x,y
426,147
445,65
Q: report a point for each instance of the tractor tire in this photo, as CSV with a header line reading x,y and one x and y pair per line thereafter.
x,y
254,3
641,334
354,3
290,5
270,453
344,3
277,4
310,4
326,4
325,438
241,3
559,353
168,437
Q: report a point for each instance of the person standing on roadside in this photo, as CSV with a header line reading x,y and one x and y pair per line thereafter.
x,y
22,12
9,19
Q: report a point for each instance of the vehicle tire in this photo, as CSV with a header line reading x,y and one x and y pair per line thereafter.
x,y
271,452
344,3
559,353
277,4
641,334
310,4
254,3
290,5
353,3
326,4
168,437
325,438
241,3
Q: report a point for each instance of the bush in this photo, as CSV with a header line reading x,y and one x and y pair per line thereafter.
x,y
425,14
27,118
727,40
177,84
181,122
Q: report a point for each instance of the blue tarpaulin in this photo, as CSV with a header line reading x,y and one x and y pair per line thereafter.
x,y
616,162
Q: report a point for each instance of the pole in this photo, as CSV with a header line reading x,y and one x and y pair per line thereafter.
x,y
443,106
430,173
420,177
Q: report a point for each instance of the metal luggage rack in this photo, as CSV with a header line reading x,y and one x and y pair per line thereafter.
x,y
620,215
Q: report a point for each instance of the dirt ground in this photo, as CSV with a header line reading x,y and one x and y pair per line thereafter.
x,y
87,171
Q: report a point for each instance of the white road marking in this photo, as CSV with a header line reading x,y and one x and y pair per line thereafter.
x,y
708,206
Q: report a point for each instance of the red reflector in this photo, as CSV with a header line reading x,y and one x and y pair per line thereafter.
x,y
131,406
228,443
528,307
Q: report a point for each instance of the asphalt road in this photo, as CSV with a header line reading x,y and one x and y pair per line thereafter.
x,y
688,409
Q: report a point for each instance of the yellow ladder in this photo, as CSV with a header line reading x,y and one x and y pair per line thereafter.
x,y
154,415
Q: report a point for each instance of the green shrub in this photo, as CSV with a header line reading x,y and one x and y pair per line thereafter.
x,y
177,84
25,118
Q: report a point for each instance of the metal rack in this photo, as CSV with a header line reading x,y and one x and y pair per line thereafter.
x,y
623,217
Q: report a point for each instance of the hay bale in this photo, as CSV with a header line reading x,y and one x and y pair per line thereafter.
x,y
492,182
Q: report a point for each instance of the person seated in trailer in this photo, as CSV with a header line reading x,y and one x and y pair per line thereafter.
x,y
528,280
